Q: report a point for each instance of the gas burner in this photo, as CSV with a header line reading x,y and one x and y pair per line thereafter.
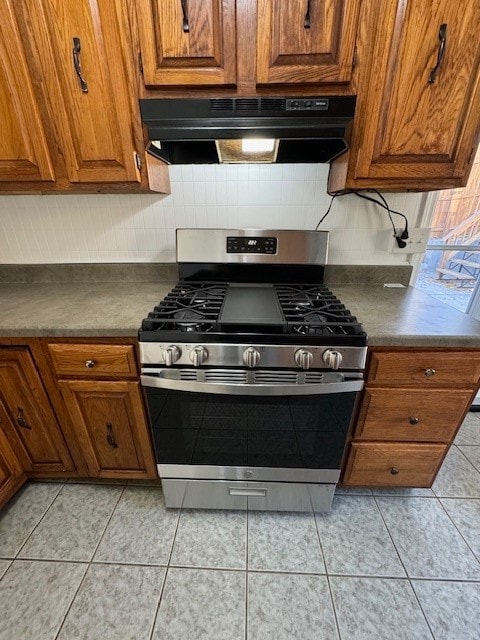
x,y
187,314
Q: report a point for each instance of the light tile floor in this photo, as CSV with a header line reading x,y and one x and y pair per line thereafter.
x,y
108,561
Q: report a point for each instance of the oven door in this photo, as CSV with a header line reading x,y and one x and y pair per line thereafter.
x,y
222,430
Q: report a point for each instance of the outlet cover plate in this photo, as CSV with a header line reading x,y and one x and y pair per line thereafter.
x,y
416,242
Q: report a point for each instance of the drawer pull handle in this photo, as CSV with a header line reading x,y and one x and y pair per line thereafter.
x,y
259,493
414,420
307,20
442,36
76,63
185,25
430,372
394,471
110,437
90,364
21,420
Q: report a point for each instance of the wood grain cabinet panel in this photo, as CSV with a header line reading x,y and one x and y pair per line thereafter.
x,y
12,475
111,425
93,360
413,129
300,42
432,368
94,105
24,152
413,397
31,423
393,464
190,47
428,415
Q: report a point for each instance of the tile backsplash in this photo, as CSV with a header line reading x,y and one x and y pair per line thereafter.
x,y
141,228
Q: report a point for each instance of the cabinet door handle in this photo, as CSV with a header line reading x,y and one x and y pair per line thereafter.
x,y
185,25
394,471
77,65
430,372
110,437
442,35
306,22
21,420
414,420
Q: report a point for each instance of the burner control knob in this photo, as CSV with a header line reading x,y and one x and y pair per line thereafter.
x,y
251,357
303,358
332,358
171,354
198,355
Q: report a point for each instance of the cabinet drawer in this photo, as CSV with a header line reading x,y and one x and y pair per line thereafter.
x,y
395,464
456,368
93,360
428,415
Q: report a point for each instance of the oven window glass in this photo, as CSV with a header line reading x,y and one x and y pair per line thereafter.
x,y
307,432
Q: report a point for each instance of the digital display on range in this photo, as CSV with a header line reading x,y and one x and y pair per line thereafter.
x,y
242,244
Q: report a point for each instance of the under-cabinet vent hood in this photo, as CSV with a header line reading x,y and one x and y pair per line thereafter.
x,y
204,131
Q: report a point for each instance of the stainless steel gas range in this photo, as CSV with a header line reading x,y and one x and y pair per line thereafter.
x,y
252,370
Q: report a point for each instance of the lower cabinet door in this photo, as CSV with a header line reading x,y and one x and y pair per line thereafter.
x,y
11,473
110,421
27,416
398,464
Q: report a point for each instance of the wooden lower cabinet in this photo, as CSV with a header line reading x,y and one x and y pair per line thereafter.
x,y
110,423
27,417
12,475
393,464
413,404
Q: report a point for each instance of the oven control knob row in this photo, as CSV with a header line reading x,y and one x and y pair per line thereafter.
x,y
171,354
198,355
332,358
251,357
303,358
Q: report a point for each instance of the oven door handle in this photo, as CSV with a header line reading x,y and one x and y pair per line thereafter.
x,y
323,388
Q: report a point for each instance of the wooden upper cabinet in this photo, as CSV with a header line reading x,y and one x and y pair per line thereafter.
x,y
187,43
81,50
306,41
27,417
24,153
417,118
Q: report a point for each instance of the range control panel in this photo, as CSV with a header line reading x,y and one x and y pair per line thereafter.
x,y
245,244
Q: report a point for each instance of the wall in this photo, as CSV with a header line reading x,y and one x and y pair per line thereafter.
x,y
141,228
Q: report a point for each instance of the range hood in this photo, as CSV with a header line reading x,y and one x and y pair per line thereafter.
x,y
204,131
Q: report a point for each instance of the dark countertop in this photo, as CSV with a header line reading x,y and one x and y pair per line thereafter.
x,y
391,317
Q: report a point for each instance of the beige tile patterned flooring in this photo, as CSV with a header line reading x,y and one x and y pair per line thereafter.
x,y
109,561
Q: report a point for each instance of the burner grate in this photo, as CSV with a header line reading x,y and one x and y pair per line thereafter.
x,y
314,310
188,308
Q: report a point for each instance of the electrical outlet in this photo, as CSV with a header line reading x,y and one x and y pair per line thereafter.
x,y
415,243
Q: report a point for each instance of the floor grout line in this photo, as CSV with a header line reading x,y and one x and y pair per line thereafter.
x,y
390,536
246,573
41,519
89,564
157,608
457,528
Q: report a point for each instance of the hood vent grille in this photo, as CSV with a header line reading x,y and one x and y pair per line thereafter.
x,y
247,104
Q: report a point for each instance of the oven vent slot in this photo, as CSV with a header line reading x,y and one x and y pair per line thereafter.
x,y
232,377
276,377
188,374
313,377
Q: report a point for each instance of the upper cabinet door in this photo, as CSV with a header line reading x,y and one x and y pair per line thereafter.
x,y
81,48
306,41
187,42
418,118
24,154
